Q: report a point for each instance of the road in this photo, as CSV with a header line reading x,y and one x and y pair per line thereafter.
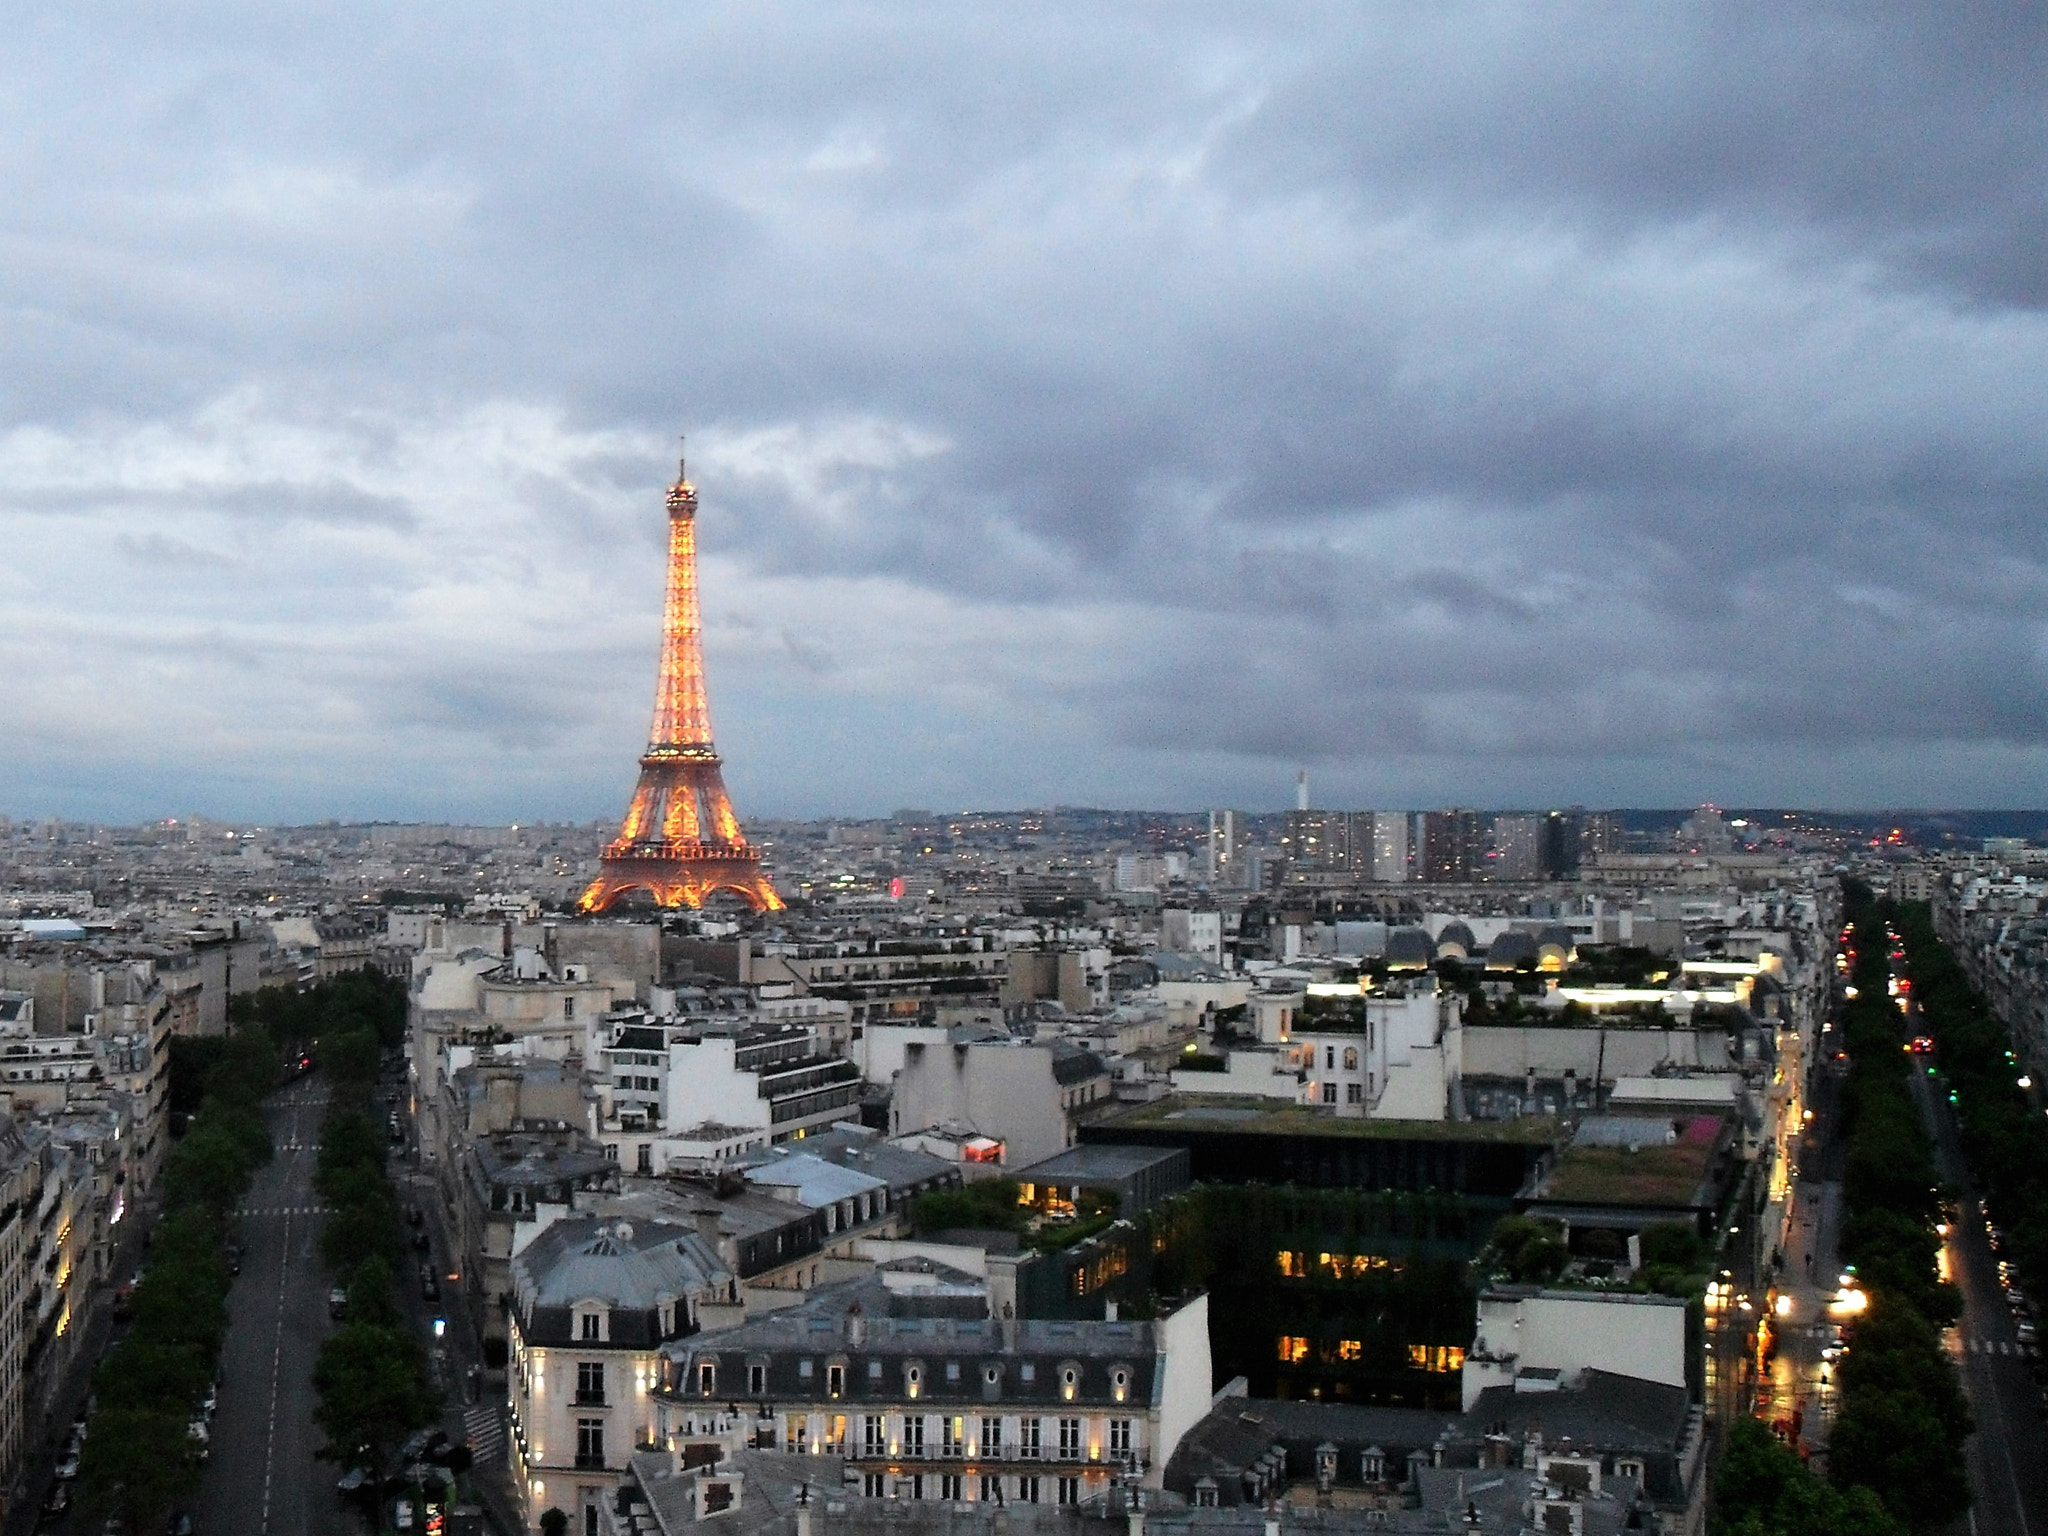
x,y
2008,1454
1796,1388
262,1479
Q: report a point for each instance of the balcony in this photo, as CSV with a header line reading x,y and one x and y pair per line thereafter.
x,y
589,1461
586,1399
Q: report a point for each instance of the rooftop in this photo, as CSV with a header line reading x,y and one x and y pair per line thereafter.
x,y
1267,1117
1674,1174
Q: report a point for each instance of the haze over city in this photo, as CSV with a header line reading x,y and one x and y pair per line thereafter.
x,y
1485,406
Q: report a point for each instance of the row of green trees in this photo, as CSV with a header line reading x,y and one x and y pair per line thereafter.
x,y
1902,1419
1895,1450
139,1458
2005,1141
371,1376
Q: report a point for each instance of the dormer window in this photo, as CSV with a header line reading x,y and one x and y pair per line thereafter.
x,y
835,1380
592,1324
757,1379
1120,1383
707,1378
913,1380
1070,1382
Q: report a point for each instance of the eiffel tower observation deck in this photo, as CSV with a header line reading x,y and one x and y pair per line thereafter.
x,y
680,841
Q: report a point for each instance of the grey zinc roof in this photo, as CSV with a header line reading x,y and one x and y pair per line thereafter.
x,y
1509,950
1073,1065
897,1329
863,1150
1410,946
816,1183
1096,1160
1458,933
623,1264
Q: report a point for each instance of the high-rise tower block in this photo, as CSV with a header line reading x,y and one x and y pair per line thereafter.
x,y
680,840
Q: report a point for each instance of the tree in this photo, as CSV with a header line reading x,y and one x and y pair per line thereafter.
x,y
137,1462
350,1056
1762,1489
1529,1251
209,1167
990,1203
373,1391
554,1523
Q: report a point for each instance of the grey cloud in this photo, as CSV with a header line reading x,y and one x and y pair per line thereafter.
x,y
1587,387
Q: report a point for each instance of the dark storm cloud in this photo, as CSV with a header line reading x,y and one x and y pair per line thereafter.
x,y
1524,400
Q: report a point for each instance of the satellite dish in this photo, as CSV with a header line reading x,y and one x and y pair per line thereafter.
x,y
625,1231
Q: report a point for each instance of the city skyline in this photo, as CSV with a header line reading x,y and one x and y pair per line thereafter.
x,y
1480,408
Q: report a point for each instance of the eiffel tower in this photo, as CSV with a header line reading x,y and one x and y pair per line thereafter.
x,y
680,840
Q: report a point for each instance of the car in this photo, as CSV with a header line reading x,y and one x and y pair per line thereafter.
x,y
421,1243
414,1216
74,1444
180,1524
211,1401
57,1503
401,1515
67,1467
337,1301
2026,1333
1922,1045
430,1288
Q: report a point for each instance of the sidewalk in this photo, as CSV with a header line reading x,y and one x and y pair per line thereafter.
x,y
458,1352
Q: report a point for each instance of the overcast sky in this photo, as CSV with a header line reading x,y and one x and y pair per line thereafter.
x,y
1117,405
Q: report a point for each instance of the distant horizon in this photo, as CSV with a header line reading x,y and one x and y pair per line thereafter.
x,y
1877,812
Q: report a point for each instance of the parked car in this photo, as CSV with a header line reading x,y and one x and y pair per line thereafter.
x,y
67,1467
337,1301
430,1288
420,1241
57,1503
180,1524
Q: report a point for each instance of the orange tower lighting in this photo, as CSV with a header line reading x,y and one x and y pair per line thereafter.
x,y
680,840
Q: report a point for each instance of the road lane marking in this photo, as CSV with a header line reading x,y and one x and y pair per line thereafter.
x,y
276,1368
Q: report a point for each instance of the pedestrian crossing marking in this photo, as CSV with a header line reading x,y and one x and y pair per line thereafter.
x,y
486,1433
281,1210
1993,1347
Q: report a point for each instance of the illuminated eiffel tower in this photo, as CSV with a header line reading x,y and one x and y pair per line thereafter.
x,y
680,840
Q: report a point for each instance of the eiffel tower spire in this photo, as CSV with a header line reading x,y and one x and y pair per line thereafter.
x,y
680,840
